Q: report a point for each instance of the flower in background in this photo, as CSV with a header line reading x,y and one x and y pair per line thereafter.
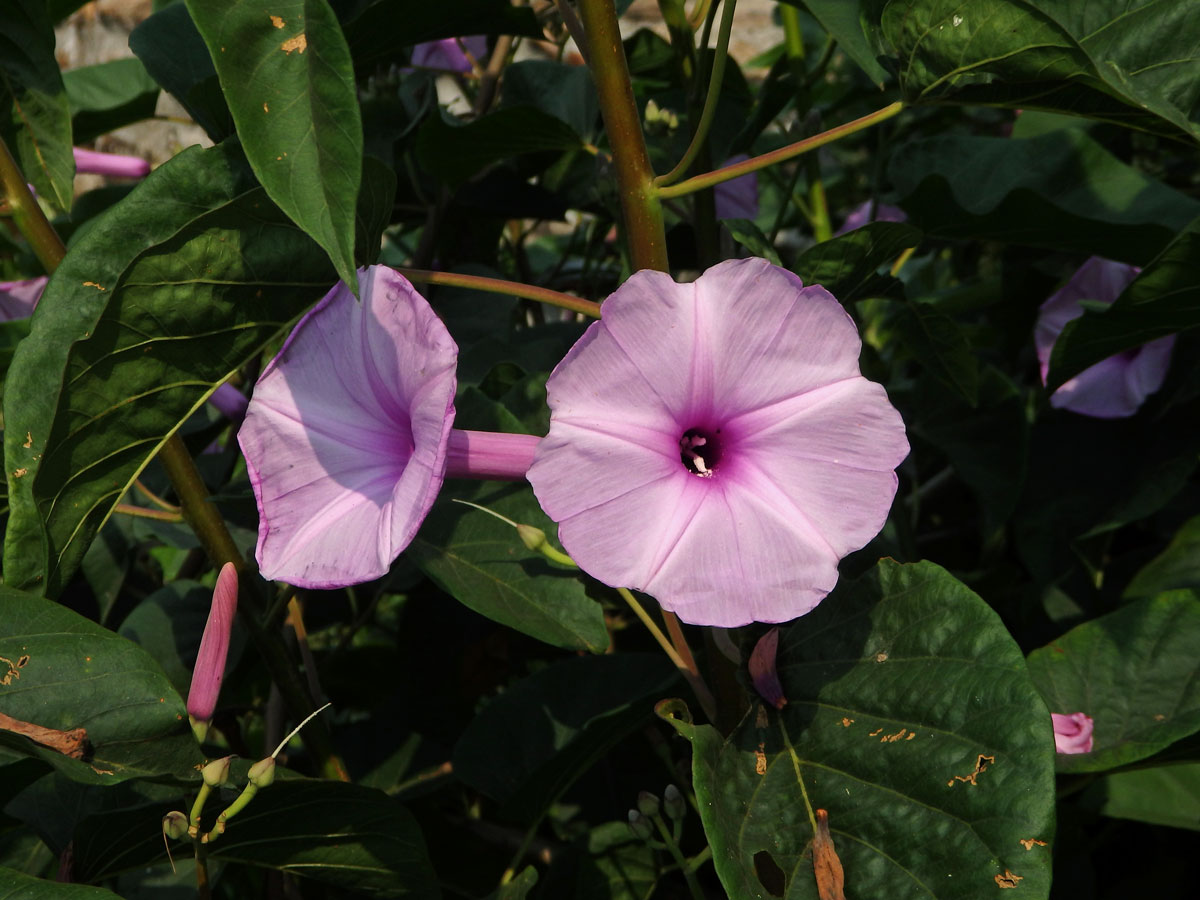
x,y
764,674
214,646
1115,387
861,215
1073,733
18,298
112,164
715,445
737,198
229,402
348,435
447,54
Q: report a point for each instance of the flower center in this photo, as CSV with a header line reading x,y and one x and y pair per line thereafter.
x,y
700,451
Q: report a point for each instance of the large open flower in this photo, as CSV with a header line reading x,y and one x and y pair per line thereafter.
x,y
348,435
715,445
1115,387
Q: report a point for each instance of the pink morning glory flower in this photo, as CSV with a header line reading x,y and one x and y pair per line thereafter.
x,y
861,215
1115,387
714,444
18,298
348,435
447,54
1073,733
112,164
209,670
737,198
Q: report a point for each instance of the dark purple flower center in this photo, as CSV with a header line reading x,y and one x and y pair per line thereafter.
x,y
700,451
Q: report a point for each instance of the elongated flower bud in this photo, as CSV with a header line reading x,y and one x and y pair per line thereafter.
x,y
673,803
111,164
262,773
214,645
763,672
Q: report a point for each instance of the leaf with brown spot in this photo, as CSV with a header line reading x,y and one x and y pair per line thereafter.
x,y
72,743
1008,879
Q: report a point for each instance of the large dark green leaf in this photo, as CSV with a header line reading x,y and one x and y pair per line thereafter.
x,y
1176,567
566,92
287,74
1164,299
942,347
384,29
456,152
847,265
482,563
108,96
912,720
1164,795
16,885
844,20
529,744
1060,190
1134,671
61,671
172,51
1135,62
35,118
166,294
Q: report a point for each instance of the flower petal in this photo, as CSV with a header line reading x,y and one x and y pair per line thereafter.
x,y
345,438
18,298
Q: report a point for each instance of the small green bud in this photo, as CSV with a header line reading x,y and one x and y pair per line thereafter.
x,y
533,538
216,773
262,773
175,825
647,804
640,825
673,803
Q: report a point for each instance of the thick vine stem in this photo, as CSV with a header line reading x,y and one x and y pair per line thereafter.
x,y
640,206
27,214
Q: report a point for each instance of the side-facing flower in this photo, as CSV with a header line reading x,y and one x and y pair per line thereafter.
x,y
1072,733
348,435
209,670
447,54
1115,387
111,164
18,298
714,444
861,215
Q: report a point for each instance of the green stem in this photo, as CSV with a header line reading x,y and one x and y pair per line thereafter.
x,y
783,154
793,40
205,520
27,214
710,102
499,286
640,207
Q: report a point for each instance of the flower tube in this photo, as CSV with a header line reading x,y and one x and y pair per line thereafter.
x,y
209,670
348,435
714,444
116,165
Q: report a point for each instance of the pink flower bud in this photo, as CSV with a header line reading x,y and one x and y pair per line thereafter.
x,y
763,672
210,662
112,164
1072,733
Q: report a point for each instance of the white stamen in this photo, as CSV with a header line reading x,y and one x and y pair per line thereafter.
x,y
688,445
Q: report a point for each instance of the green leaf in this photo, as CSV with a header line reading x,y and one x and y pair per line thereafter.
x,y
1163,300
519,887
941,346
456,152
108,96
35,118
1176,567
847,266
912,720
287,74
1134,62
383,30
1060,190
1134,671
530,744
167,293
61,671
1166,795
751,237
16,885
173,52
565,92
481,562
845,21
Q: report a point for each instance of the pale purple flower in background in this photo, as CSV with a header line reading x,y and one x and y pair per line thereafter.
x,y
738,197
447,54
229,402
19,298
209,670
861,215
112,164
763,672
1072,733
1115,387
348,435
714,444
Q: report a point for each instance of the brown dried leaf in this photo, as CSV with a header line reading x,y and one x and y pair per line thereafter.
x,y
827,867
71,743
